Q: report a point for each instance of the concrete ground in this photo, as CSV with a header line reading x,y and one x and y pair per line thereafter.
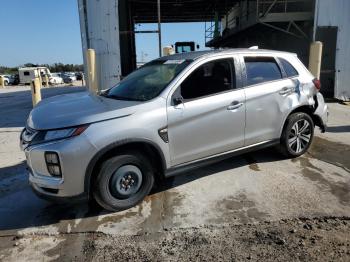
x,y
201,211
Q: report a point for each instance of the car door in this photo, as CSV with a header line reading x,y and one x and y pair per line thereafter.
x,y
268,100
206,113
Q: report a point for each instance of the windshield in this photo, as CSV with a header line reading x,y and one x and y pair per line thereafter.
x,y
148,81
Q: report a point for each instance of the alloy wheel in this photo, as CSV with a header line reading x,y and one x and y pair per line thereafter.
x,y
299,136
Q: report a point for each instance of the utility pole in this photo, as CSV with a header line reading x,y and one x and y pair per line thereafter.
x,y
159,30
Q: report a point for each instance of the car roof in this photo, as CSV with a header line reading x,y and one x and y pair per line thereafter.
x,y
199,54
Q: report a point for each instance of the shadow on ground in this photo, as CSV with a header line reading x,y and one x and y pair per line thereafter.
x,y
338,129
21,209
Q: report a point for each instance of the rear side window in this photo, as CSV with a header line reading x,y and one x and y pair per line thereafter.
x,y
288,68
261,69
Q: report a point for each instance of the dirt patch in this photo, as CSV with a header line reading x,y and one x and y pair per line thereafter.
x,y
325,239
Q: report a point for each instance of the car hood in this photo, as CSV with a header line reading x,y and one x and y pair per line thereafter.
x,y
77,109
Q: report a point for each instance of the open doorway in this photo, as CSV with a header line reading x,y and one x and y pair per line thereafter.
x,y
328,36
147,43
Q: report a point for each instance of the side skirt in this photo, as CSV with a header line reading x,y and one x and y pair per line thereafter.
x,y
173,171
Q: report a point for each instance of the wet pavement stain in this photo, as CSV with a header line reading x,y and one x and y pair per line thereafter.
x,y
252,163
75,244
340,190
239,209
331,152
305,163
163,206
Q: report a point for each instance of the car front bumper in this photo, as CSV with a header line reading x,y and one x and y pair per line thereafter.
x,y
74,156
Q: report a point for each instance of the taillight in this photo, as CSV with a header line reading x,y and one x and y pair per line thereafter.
x,y
317,84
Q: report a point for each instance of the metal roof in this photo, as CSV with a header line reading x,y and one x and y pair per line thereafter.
x,y
145,11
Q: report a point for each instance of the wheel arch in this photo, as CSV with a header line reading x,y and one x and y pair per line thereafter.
x,y
304,109
148,148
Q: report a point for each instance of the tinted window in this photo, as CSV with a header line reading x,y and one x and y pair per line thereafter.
x,y
261,70
148,81
288,68
210,78
26,73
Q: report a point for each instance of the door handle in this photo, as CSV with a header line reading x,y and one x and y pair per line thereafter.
x,y
234,105
286,90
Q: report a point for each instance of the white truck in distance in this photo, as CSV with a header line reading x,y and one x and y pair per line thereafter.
x,y
27,74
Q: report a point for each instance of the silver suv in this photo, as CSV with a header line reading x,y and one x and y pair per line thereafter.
x,y
174,113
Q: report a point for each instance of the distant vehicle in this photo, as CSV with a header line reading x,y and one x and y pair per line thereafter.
x,y
173,114
27,74
67,79
14,79
184,47
6,79
79,76
70,75
56,78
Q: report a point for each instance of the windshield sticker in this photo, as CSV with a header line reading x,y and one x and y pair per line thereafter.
x,y
174,62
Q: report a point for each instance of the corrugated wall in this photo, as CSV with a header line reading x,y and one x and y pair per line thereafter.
x,y
337,13
99,24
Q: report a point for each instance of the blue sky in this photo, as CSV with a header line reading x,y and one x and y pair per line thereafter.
x,y
48,31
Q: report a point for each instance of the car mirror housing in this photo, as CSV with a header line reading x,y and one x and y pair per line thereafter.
x,y
178,100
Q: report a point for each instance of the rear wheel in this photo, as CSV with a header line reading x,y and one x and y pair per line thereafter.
x,y
297,135
123,181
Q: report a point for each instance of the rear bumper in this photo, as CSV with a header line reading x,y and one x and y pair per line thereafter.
x,y
321,112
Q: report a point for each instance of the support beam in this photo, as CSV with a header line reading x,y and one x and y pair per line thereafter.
x,y
127,38
96,18
281,29
159,29
269,9
315,59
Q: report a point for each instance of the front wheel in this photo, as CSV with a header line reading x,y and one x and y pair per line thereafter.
x,y
297,135
123,181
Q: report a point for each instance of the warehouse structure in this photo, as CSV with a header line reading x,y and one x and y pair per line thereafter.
x,y
292,25
108,26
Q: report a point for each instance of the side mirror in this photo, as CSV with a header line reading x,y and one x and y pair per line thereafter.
x,y
178,100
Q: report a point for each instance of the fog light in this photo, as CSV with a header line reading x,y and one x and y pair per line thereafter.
x,y
53,164
51,158
54,170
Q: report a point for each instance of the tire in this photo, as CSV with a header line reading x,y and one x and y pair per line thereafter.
x,y
6,83
297,135
112,192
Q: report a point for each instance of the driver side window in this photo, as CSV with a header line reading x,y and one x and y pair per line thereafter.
x,y
210,78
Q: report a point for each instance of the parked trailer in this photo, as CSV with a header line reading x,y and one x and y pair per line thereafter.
x,y
27,74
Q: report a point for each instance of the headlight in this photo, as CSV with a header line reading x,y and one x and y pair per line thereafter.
x,y
63,133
